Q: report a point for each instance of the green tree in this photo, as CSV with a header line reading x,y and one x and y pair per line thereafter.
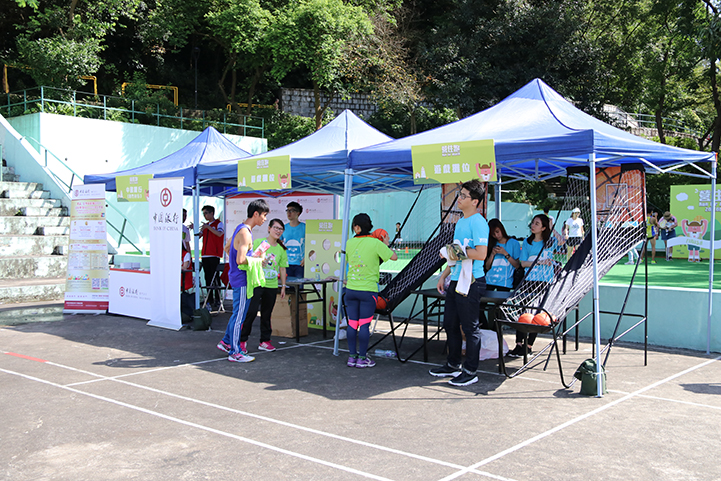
x,y
64,39
477,53
317,36
241,27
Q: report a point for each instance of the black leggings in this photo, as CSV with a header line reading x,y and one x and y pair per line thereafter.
x,y
263,299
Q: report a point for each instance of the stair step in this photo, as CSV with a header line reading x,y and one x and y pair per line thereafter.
x,y
29,225
25,194
33,267
40,211
24,186
13,291
8,170
24,245
22,313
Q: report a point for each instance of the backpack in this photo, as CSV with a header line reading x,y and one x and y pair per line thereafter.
x,y
201,320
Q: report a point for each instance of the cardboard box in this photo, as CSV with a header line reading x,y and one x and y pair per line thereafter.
x,y
283,318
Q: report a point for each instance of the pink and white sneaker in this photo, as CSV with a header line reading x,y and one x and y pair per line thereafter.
x,y
244,347
223,347
266,346
240,357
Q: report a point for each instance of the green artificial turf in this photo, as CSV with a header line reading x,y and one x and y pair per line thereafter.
x,y
674,273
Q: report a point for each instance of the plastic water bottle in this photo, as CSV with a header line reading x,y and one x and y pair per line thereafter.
x,y
317,272
385,353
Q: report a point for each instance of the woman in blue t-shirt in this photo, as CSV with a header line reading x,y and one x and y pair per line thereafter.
x,y
538,249
502,260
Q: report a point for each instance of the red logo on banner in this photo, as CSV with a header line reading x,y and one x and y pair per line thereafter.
x,y
122,292
165,197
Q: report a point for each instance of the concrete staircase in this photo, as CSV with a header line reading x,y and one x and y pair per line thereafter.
x,y
34,233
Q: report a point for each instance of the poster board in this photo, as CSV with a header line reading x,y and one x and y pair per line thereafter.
x,y
323,239
86,282
691,205
315,206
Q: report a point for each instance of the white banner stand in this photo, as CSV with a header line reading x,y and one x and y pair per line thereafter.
x,y
165,209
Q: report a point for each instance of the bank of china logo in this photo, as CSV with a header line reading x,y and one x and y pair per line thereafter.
x,y
122,292
166,197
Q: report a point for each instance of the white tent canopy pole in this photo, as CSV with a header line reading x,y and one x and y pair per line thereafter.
x,y
347,191
711,257
594,259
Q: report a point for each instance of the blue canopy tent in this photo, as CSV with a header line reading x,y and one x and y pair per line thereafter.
x,y
207,148
317,162
537,135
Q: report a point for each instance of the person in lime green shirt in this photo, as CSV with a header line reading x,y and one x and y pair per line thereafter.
x,y
276,261
365,255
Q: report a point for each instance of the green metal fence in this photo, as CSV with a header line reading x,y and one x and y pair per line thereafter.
x,y
106,107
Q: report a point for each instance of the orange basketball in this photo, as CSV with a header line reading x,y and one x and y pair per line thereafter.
x,y
526,318
380,303
542,319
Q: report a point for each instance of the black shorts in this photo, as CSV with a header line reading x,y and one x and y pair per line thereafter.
x,y
574,241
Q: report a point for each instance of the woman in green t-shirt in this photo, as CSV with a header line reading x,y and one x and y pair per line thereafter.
x,y
274,266
365,255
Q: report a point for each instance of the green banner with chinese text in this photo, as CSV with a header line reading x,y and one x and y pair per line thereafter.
x,y
266,173
453,162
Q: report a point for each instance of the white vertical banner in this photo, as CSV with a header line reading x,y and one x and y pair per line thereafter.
x,y
165,209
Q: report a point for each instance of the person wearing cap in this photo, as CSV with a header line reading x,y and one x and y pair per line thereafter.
x,y
668,224
573,232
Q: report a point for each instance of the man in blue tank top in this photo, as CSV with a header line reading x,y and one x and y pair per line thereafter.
x,y
240,248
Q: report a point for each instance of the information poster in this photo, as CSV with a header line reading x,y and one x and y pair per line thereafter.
x,y
268,173
691,205
86,283
453,162
322,260
132,188
166,217
315,206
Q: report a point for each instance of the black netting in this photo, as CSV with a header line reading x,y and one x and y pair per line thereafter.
x,y
419,269
621,226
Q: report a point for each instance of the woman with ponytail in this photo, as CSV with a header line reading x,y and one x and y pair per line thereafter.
x,y
365,254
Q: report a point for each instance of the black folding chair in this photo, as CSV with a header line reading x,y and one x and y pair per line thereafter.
x,y
216,284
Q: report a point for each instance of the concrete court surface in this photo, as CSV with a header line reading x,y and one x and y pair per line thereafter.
x,y
108,398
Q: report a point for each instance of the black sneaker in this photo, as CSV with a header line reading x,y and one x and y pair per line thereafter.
x,y
463,379
445,371
516,351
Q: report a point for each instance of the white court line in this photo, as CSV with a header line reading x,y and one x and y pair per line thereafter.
x,y
255,416
575,420
204,428
689,403
157,369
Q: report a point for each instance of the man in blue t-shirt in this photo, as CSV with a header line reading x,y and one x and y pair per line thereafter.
x,y
294,240
462,311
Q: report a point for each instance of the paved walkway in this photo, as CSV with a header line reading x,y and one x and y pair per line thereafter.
x,y
106,397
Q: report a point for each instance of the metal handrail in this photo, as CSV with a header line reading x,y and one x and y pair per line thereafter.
x,y
649,121
69,186
133,116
